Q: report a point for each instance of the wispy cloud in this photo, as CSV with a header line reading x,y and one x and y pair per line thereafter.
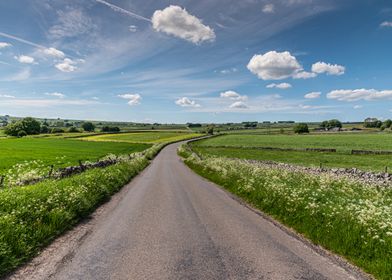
x,y
133,98
123,11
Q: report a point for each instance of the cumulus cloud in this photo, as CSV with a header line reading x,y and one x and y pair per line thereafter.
x,y
25,59
386,24
268,8
359,94
55,94
4,45
176,21
330,69
68,65
304,75
53,52
274,65
280,86
133,99
239,105
232,95
313,95
186,102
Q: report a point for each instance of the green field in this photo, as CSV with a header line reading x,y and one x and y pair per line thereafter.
x,y
153,137
344,143
59,152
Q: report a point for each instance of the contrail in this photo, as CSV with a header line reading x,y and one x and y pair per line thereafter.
x,y
22,40
123,11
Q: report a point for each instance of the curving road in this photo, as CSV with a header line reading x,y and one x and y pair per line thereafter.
x,y
172,224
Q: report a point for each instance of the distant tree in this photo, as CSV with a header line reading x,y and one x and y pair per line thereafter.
x,y
387,123
301,128
110,129
73,129
88,126
372,123
28,125
334,123
45,129
210,130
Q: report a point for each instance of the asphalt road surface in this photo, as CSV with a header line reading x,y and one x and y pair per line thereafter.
x,y
172,224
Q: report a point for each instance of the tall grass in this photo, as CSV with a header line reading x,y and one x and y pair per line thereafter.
x,y
347,217
32,216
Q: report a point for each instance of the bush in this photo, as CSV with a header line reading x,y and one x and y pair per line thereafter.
x,y
331,124
22,133
73,129
57,130
88,126
301,128
110,129
45,129
387,123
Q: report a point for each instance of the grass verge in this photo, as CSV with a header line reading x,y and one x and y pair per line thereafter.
x,y
349,218
32,216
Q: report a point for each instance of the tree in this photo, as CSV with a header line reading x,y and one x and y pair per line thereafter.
x,y
73,129
301,128
331,124
388,123
28,125
22,133
110,129
88,126
210,130
45,129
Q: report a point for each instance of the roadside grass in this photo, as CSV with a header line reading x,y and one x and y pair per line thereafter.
x,y
343,142
152,137
375,163
349,218
58,152
32,216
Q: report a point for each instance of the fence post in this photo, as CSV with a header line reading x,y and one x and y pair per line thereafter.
x,y
386,169
51,171
1,180
321,165
81,165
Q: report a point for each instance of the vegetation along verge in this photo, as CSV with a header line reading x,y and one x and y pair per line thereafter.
x,y
348,217
31,216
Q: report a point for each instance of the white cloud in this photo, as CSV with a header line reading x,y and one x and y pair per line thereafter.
x,y
68,65
359,94
4,45
186,102
238,105
357,107
274,65
386,24
280,86
25,59
6,96
229,70
132,28
268,8
55,94
54,52
313,95
42,103
133,99
176,21
330,69
230,94
304,75
71,23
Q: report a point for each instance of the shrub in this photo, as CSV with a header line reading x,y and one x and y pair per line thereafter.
x,y
88,126
22,133
28,125
388,123
110,129
331,124
301,128
57,130
73,129
45,129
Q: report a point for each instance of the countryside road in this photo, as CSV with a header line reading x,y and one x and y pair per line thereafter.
x,y
172,224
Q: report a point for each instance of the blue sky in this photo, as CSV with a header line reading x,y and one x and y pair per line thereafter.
x,y
196,61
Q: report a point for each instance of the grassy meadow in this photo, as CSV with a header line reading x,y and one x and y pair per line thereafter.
x,y
152,137
59,152
244,146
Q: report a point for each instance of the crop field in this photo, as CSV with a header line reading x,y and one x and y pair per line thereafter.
x,y
241,146
152,137
58,152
